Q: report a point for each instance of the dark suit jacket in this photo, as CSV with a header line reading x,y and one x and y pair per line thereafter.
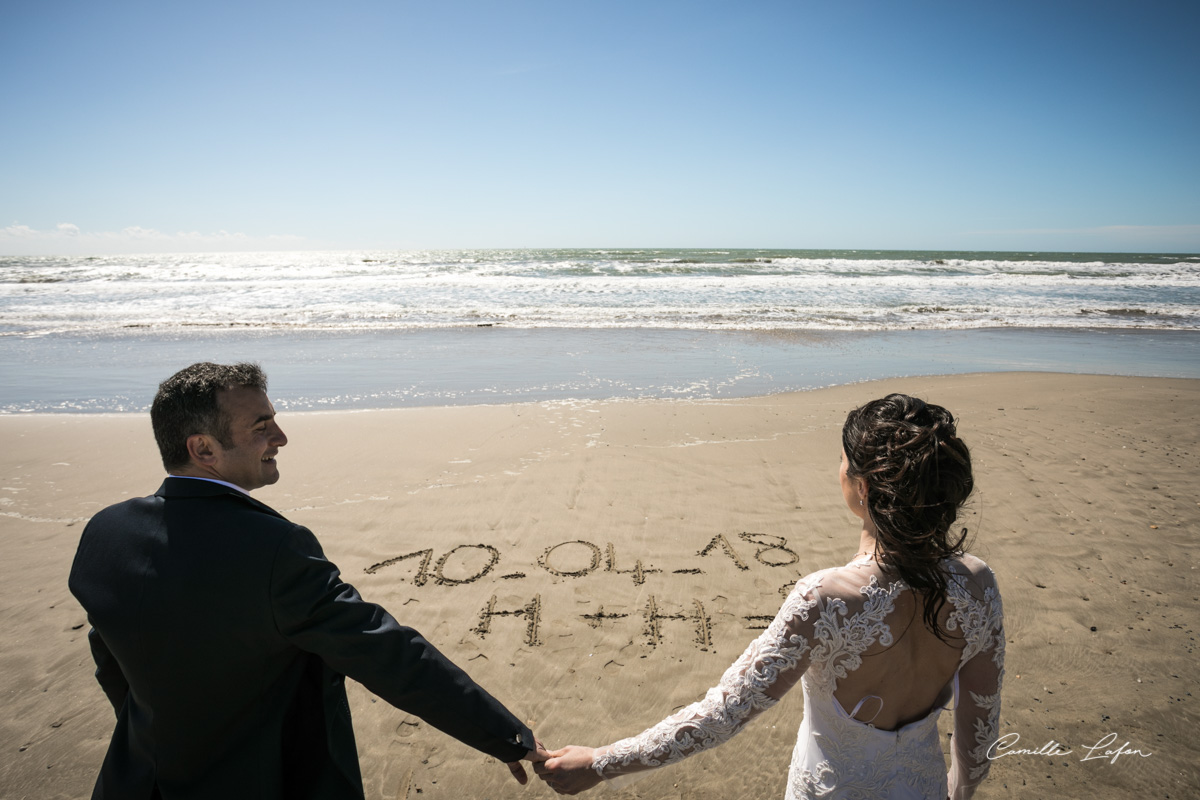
x,y
221,635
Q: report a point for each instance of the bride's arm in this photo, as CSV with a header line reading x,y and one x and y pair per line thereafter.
x,y
770,666
977,690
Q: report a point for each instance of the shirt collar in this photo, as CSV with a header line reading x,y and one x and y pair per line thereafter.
x,y
212,480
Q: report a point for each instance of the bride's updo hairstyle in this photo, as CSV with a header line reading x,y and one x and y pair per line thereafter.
x,y
918,474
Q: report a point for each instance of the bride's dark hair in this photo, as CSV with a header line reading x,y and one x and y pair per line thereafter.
x,y
918,474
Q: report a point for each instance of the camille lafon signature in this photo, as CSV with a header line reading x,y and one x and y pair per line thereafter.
x,y
1006,745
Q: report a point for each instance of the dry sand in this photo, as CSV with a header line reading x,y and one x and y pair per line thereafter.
x,y
630,550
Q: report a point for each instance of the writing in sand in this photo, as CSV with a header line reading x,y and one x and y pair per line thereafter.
x,y
468,563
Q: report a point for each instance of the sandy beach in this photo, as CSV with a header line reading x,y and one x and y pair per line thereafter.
x,y
597,564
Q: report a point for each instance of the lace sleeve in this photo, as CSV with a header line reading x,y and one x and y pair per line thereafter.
x,y
770,666
976,686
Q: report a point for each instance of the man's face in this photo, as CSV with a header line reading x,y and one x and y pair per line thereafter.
x,y
250,460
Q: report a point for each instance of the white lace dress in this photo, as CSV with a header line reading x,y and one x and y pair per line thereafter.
x,y
819,640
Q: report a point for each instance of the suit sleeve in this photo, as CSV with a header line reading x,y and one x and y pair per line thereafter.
x,y
321,614
108,671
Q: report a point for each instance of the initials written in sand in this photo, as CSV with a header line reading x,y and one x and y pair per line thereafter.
x,y
467,563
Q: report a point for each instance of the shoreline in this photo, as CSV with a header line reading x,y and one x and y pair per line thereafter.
x,y
461,366
603,517
143,413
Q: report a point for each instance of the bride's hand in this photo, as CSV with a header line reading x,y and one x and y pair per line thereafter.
x,y
569,770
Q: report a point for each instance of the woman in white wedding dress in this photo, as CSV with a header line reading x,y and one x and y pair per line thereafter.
x,y
879,645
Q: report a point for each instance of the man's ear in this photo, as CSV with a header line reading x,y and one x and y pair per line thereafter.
x,y
201,449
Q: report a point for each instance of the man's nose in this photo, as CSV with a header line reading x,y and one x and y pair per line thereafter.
x,y
278,437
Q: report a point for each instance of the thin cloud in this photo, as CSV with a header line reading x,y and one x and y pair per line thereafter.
x,y
1116,238
66,238
15,231
1152,230
1105,230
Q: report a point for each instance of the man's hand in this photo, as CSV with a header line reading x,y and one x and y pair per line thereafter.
x,y
569,770
533,756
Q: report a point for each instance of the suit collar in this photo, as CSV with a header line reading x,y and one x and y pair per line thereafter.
x,y
193,488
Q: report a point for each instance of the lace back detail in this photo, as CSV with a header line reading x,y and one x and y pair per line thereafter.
x,y
843,638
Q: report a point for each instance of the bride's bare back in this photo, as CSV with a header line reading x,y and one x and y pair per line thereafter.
x,y
902,682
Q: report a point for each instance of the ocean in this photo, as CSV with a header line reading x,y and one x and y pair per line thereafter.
x,y
676,289
365,329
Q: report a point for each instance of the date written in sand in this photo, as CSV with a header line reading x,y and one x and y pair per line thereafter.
x,y
468,563
1008,745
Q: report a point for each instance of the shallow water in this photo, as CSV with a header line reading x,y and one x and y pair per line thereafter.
x,y
312,370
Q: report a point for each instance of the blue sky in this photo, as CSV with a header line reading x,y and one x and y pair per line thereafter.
x,y
152,126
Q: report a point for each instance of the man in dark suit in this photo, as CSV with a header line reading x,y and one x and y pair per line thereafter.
x,y
221,633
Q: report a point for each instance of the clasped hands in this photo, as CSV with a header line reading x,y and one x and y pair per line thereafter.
x,y
566,771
